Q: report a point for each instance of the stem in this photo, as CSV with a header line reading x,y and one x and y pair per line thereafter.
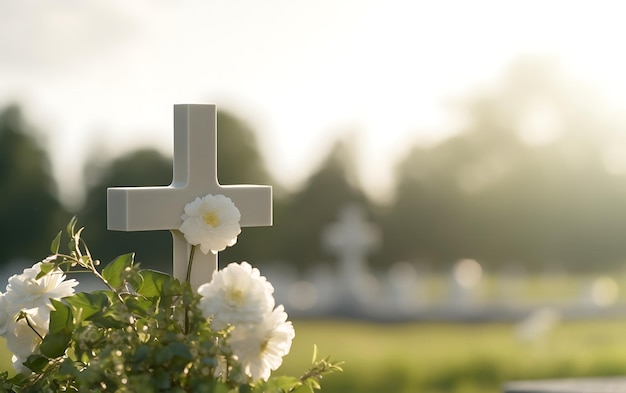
x,y
188,280
32,327
191,253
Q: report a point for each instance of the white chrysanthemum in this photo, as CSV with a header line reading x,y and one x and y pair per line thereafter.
x,y
260,348
211,222
23,341
236,294
26,292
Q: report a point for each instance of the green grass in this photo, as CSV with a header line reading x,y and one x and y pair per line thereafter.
x,y
438,358
433,358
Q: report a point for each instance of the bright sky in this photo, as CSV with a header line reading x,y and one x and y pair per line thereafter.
x,y
303,72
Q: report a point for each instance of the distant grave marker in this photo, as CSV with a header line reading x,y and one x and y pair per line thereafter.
x,y
351,238
406,287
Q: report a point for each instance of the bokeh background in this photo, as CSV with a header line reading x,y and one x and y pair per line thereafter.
x,y
482,143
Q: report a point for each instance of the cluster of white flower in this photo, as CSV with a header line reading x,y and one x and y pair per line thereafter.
x,y
25,310
238,296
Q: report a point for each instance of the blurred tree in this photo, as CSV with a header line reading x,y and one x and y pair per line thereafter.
x,y
238,162
30,214
317,205
525,182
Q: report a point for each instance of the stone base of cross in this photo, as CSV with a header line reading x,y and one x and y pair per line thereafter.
x,y
195,175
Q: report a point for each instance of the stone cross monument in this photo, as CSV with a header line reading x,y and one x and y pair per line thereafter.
x,y
351,238
195,175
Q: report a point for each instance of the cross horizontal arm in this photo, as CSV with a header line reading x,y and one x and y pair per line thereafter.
x,y
144,208
152,208
254,203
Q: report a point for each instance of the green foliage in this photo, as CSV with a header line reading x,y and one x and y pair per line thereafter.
x,y
143,333
116,272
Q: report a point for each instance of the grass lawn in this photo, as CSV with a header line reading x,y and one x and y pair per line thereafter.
x,y
463,358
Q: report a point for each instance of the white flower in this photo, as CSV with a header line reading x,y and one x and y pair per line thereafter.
x,y
211,222
236,294
260,348
31,296
23,341
26,292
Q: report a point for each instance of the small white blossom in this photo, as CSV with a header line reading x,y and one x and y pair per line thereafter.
x,y
212,222
236,294
260,348
30,296
26,292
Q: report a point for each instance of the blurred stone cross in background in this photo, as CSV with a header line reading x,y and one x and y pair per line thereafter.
x,y
351,238
195,175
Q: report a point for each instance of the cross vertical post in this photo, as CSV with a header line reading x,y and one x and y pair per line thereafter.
x,y
195,175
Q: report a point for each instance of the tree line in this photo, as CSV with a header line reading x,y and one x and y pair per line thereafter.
x,y
491,192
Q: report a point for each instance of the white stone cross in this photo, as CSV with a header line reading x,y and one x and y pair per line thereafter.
x,y
351,238
195,175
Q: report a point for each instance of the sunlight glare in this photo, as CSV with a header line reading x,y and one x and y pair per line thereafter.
x,y
604,291
468,273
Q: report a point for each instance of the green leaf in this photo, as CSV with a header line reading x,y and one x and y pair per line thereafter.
x,y
36,363
89,303
68,367
45,268
54,246
141,353
55,344
110,321
180,350
162,380
71,226
60,331
163,355
155,283
140,306
60,318
114,271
